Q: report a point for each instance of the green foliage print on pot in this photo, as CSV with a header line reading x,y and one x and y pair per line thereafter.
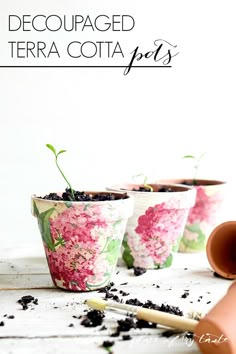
x,y
204,216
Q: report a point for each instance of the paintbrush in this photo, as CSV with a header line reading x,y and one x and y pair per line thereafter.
x,y
214,333
141,313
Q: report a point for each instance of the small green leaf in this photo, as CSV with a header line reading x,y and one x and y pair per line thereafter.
x,y
189,157
113,246
56,155
117,223
201,156
127,256
61,152
52,149
59,241
44,226
112,251
36,211
175,248
168,262
68,204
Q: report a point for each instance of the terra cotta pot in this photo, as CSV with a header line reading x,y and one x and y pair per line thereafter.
x,y
153,232
215,333
221,249
82,239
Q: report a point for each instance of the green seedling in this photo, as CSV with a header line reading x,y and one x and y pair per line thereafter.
x,y
197,161
56,154
147,186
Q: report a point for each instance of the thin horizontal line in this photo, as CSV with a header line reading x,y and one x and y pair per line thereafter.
x,y
30,288
17,274
83,66
65,336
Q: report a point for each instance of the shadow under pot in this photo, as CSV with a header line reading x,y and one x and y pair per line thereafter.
x,y
82,239
154,230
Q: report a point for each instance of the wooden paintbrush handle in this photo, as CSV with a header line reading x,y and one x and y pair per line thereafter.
x,y
166,319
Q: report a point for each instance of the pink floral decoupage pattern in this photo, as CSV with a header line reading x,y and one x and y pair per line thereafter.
x,y
82,244
150,244
201,220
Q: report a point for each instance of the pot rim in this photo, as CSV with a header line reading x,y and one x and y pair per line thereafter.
x,y
201,181
128,198
180,188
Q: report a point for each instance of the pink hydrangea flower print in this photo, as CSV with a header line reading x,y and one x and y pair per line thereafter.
x,y
76,234
205,208
139,252
159,229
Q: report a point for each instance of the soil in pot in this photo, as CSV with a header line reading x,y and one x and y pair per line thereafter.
x,y
84,197
157,188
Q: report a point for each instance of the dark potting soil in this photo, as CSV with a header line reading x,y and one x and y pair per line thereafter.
x,y
141,189
175,310
26,300
83,197
188,183
145,324
108,343
160,189
131,323
109,290
126,324
93,318
139,271
113,297
106,288
126,337
123,293
103,328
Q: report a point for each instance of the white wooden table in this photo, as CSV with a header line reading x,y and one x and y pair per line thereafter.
x,y
44,328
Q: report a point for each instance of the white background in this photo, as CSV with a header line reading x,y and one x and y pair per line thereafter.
x,y
115,126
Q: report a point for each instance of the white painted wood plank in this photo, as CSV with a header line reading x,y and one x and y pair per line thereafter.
x,y
138,345
25,281
47,320
25,265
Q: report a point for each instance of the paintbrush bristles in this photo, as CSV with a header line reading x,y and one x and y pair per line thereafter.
x,y
96,304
